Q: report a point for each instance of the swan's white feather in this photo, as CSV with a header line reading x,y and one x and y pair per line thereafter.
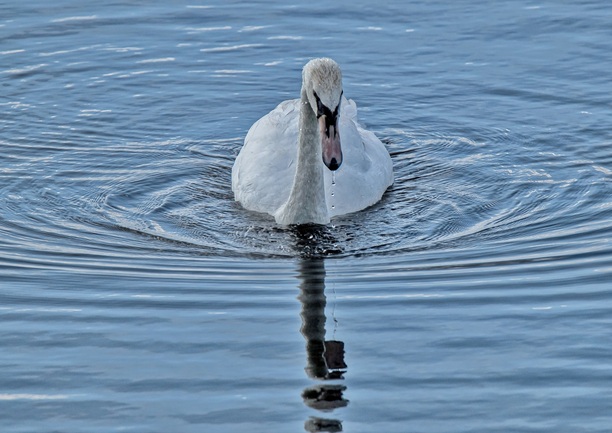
x,y
263,173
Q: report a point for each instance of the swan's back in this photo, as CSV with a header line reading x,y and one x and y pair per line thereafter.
x,y
263,173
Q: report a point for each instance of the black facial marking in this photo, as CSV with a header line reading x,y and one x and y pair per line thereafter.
x,y
331,119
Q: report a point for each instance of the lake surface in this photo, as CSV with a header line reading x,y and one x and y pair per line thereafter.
x,y
136,296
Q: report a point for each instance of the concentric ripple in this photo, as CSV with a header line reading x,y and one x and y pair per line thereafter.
x,y
135,294
483,188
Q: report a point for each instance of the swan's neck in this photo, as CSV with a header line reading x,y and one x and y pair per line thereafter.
x,y
306,203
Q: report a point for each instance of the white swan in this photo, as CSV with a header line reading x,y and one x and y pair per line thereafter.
x,y
280,170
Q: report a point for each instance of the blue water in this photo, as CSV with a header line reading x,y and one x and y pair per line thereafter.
x,y
136,295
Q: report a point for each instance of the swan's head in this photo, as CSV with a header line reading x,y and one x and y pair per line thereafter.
x,y
322,81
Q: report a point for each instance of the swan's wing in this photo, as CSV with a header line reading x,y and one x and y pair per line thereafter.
x,y
265,167
366,171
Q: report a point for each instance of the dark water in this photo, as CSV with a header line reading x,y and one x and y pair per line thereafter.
x,y
135,295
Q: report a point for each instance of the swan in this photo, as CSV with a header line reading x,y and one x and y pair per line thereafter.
x,y
309,160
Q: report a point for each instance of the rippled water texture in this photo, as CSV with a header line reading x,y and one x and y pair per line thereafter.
x,y
136,295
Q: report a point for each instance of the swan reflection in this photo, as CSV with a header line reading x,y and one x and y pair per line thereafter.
x,y
325,358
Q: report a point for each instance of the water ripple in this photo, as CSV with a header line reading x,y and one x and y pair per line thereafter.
x,y
482,191
135,293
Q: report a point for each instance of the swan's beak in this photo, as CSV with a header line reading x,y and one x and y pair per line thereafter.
x,y
330,141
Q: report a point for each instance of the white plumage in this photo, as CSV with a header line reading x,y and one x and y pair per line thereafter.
x,y
264,172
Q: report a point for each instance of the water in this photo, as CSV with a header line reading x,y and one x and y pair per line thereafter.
x,y
135,295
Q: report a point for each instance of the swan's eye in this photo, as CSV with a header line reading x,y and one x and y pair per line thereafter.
x,y
337,110
320,107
